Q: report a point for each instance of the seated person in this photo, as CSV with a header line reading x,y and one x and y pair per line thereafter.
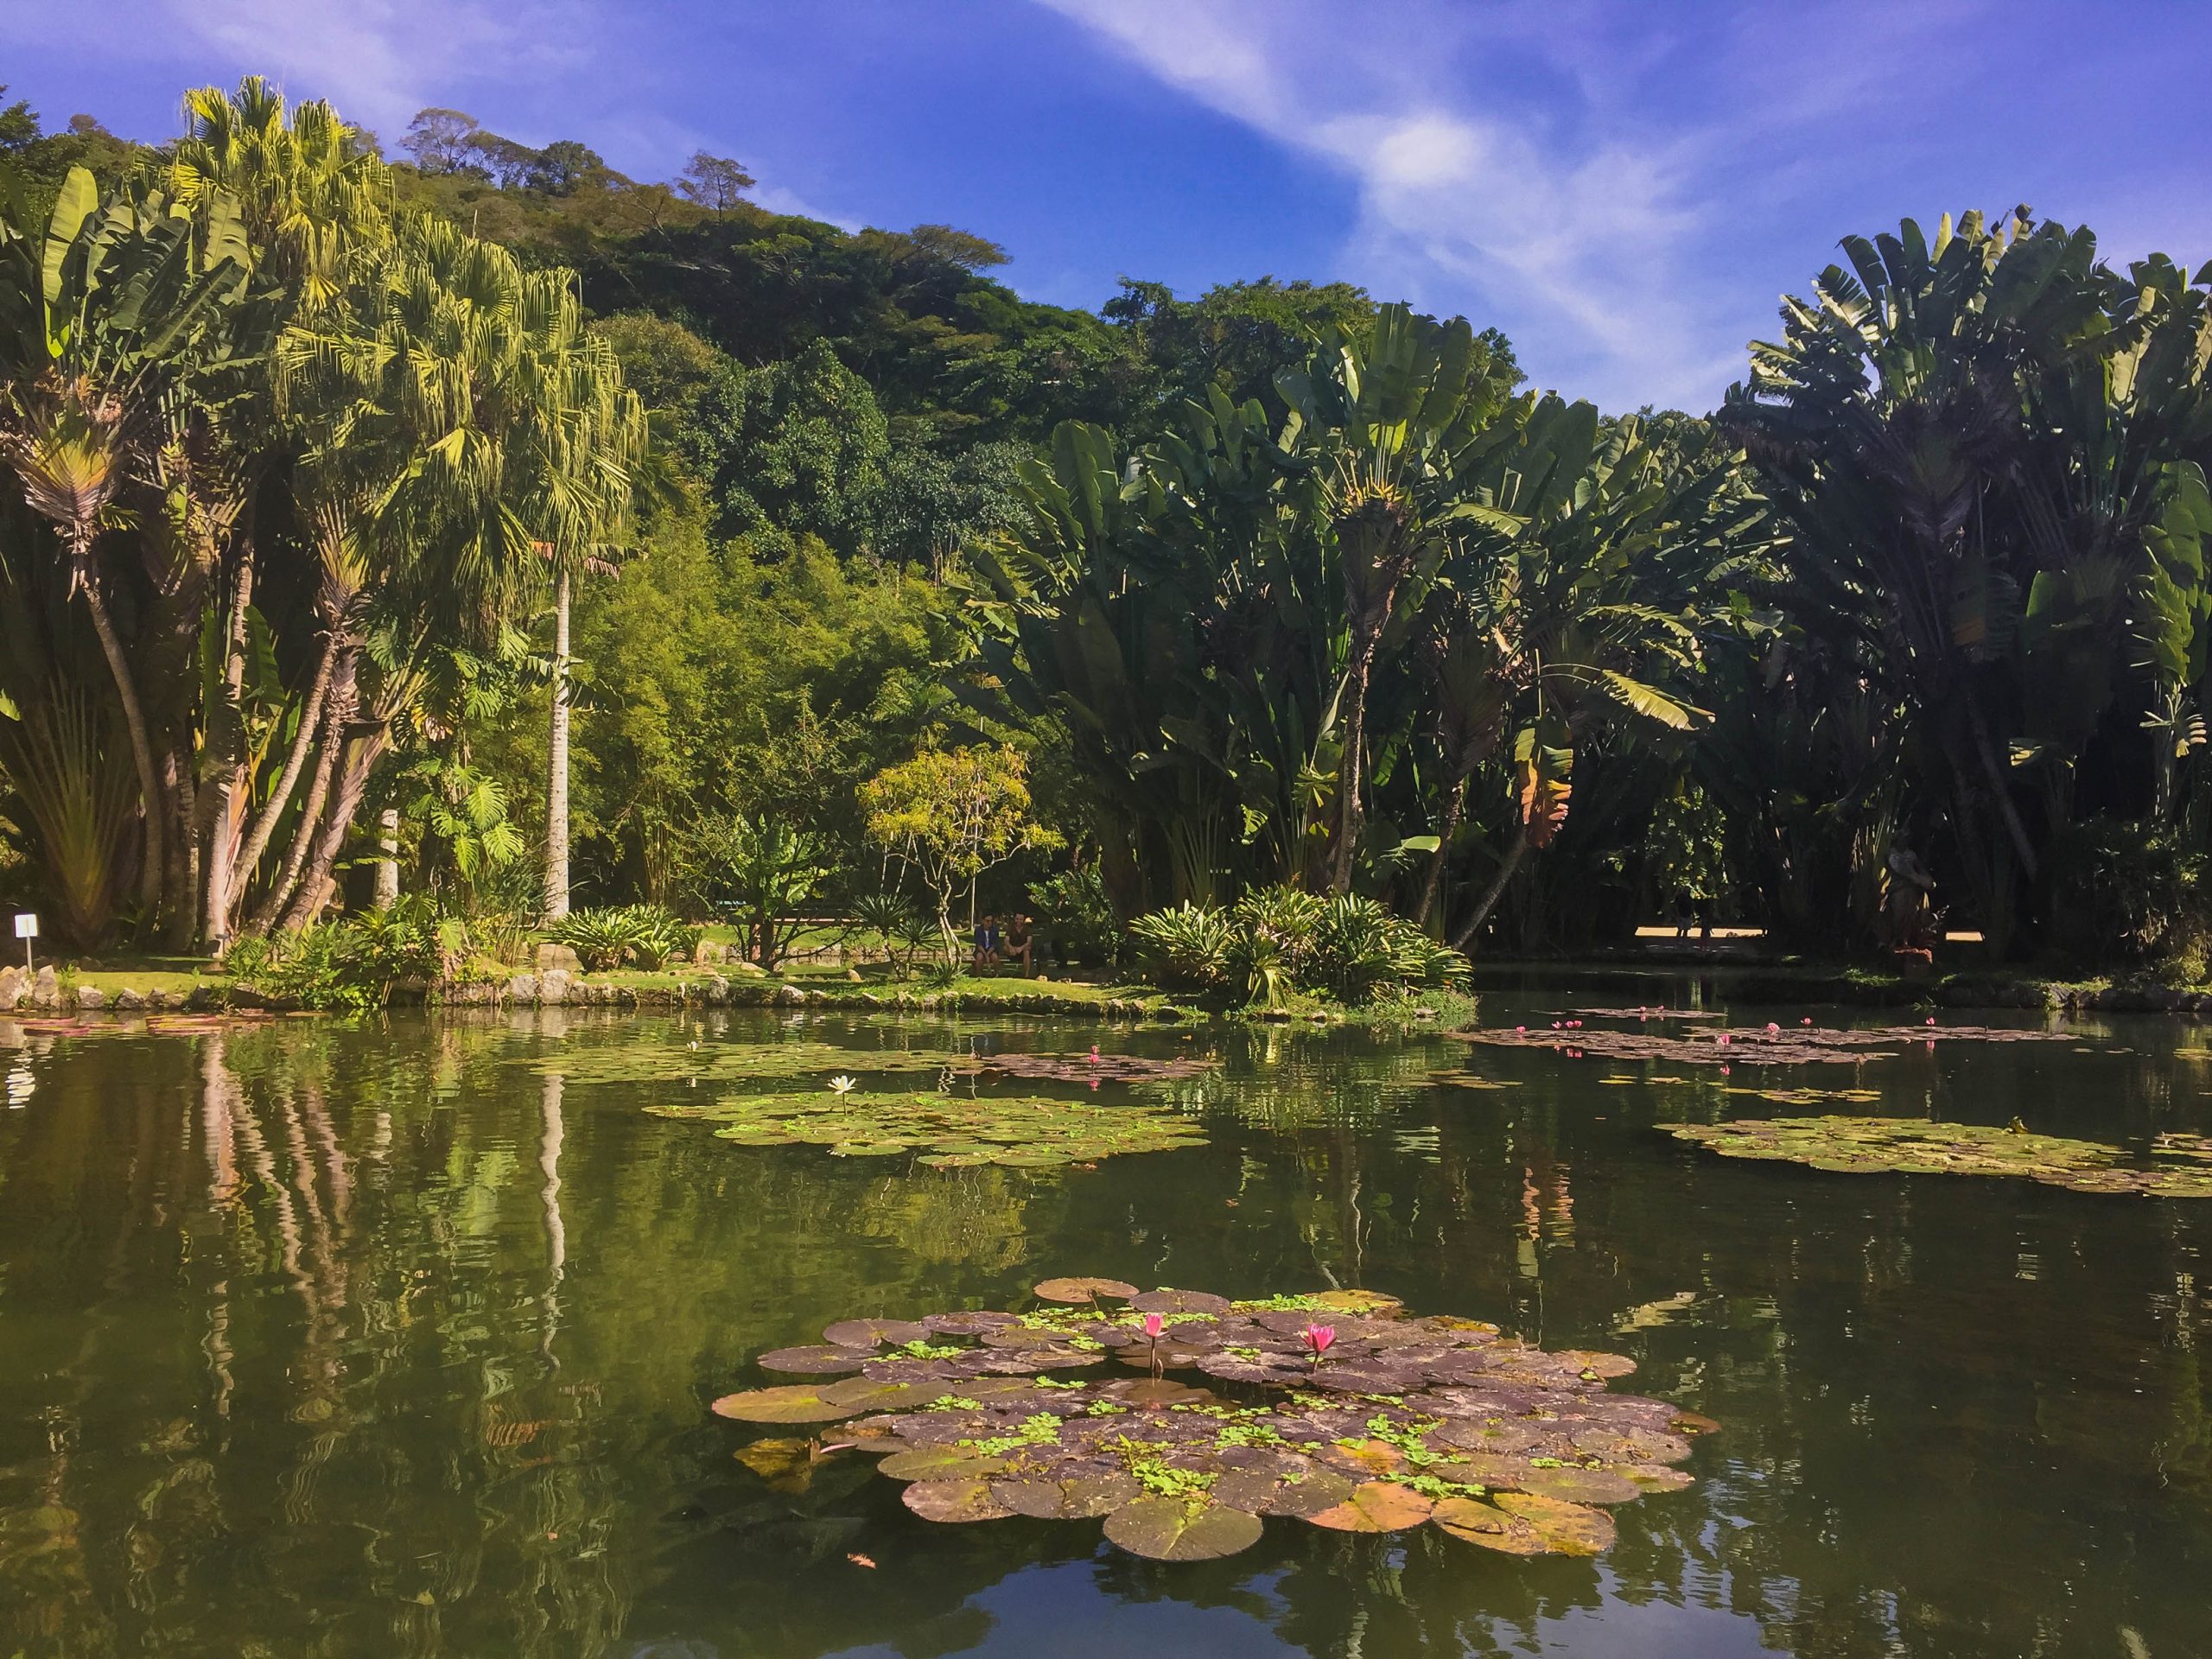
x,y
1017,943
987,944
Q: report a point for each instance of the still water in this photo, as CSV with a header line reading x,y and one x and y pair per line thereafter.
x,y
326,1339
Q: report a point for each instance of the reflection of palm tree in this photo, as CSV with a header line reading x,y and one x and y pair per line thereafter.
x,y
556,1235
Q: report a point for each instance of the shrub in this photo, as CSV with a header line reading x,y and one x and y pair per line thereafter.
x,y
1278,940
1073,905
1185,949
602,938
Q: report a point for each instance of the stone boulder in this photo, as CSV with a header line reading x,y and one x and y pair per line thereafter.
x,y
523,988
551,956
11,987
90,998
46,990
553,987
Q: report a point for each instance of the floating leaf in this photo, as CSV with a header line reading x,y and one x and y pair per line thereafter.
x,y
1404,1408
873,1334
1182,1529
940,1463
1355,1301
1179,1301
819,1359
1094,1067
2178,1166
798,1403
1477,1522
946,1130
954,1500
1077,1498
1566,1528
1376,1506
1084,1290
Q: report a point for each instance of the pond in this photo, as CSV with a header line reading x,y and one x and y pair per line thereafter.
x,y
397,1339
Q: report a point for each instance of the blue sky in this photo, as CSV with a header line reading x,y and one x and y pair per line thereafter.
x,y
1624,186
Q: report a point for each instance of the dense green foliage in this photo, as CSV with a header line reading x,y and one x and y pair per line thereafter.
x,y
333,476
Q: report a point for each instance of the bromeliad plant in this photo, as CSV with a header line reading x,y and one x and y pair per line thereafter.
x,y
1279,941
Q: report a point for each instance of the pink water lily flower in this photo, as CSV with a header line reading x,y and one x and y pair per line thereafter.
x,y
1154,1324
1318,1337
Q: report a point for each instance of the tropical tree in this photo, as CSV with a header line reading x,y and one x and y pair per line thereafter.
x,y
950,815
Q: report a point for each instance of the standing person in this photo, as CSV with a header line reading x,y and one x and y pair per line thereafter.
x,y
987,944
1017,944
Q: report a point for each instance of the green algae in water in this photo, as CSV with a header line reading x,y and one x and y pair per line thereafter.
x,y
1396,1423
2179,1165
948,1131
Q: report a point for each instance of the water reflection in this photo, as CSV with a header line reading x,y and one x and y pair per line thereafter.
x,y
328,1340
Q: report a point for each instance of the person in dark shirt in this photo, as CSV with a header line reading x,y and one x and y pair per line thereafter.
x,y
987,944
1017,944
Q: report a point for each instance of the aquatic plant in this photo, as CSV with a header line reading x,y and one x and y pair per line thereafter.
x,y
2178,1166
1751,1046
950,1131
1410,1422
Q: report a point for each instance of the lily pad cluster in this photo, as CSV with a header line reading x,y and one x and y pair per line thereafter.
x,y
1094,1067
1751,1045
658,1060
2178,1166
948,1131
1182,1419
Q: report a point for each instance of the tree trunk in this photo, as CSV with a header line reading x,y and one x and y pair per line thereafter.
x,y
1491,894
223,807
352,787
557,782
1998,784
134,719
387,893
265,825
337,715
1455,806
1348,772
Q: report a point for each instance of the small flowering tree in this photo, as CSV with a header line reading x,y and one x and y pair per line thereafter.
x,y
950,815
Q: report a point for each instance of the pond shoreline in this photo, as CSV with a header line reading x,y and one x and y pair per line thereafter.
x,y
49,993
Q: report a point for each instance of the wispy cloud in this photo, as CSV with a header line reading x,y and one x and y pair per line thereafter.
x,y
1556,169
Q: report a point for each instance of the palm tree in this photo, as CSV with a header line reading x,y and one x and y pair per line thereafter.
x,y
495,440
112,313
1391,420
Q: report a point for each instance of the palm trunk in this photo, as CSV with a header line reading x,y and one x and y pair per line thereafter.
x,y
1495,890
224,806
557,782
337,715
280,796
351,788
134,720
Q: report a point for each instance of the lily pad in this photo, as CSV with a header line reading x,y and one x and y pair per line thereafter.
x,y
2177,1166
818,1359
873,1334
1182,1529
1376,1506
1180,1301
1566,1528
798,1403
1401,1413
1084,1290
1475,1522
954,1500
945,1130
1079,1498
940,1463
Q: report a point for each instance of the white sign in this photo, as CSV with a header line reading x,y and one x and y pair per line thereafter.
x,y
26,926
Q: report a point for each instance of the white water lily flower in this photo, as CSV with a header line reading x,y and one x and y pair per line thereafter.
x,y
844,1085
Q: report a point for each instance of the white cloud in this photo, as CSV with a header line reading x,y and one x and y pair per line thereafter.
x,y
1511,161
